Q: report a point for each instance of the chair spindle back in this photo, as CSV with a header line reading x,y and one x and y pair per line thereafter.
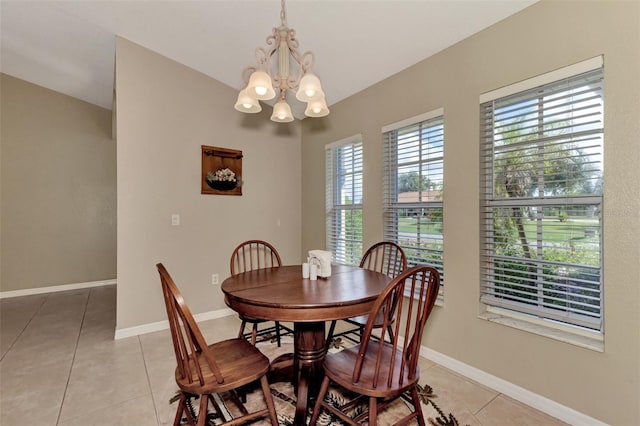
x,y
253,254
385,257
423,283
189,345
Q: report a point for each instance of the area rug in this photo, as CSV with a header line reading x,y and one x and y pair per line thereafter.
x,y
284,399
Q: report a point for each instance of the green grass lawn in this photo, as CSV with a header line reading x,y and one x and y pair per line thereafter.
x,y
571,229
553,230
410,224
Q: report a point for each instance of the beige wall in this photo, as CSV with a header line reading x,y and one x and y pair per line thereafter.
x,y
544,37
166,111
58,197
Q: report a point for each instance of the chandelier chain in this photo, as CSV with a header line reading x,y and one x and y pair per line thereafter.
x,y
283,14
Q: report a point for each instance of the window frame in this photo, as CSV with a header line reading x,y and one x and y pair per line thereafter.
x,y
574,321
428,160
346,245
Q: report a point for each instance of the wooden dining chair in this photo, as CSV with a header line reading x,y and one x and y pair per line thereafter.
x,y
377,371
205,370
387,258
250,255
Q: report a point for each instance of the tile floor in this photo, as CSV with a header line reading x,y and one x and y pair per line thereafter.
x,y
61,366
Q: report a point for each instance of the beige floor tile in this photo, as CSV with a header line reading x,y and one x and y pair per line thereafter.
x,y
99,322
43,344
456,393
15,315
220,328
157,344
503,411
103,345
103,298
32,393
63,306
462,414
68,298
425,364
96,313
159,358
43,348
97,328
138,411
101,378
165,410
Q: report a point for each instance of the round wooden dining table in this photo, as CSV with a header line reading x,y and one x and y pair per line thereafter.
x,y
281,294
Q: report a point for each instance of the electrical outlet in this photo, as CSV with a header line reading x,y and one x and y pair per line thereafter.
x,y
215,279
175,220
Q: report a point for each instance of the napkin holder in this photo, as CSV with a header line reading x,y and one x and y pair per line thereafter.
x,y
323,259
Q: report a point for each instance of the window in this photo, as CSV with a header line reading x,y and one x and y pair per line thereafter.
x,y
541,197
344,200
412,188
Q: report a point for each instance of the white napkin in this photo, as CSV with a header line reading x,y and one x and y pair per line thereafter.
x,y
324,258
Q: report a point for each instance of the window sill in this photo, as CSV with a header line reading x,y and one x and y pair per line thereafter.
x,y
585,339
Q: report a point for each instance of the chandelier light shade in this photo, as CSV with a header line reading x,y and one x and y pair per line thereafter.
x,y
260,86
246,103
317,108
282,112
267,77
310,88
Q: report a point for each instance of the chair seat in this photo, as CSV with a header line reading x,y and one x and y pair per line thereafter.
x,y
361,320
239,362
339,368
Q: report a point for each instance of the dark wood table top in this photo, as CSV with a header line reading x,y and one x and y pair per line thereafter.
x,y
282,294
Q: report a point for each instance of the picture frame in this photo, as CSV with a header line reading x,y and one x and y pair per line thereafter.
x,y
221,171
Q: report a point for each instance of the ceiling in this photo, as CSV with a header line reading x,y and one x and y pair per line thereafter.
x,y
69,46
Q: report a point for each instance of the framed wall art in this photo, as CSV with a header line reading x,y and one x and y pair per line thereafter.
x,y
221,171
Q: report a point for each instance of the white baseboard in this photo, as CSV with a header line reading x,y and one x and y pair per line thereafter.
x,y
548,406
54,288
163,325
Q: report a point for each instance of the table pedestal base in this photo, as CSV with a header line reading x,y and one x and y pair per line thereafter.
x,y
307,367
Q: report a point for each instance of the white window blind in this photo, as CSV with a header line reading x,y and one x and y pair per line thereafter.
x,y
541,200
413,153
344,200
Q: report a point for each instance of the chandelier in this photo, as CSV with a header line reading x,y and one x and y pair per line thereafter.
x,y
261,82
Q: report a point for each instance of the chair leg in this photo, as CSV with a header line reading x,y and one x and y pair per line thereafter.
x,y
216,406
181,408
373,411
241,393
278,332
240,401
202,413
330,336
316,410
390,329
254,333
268,398
417,406
241,332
